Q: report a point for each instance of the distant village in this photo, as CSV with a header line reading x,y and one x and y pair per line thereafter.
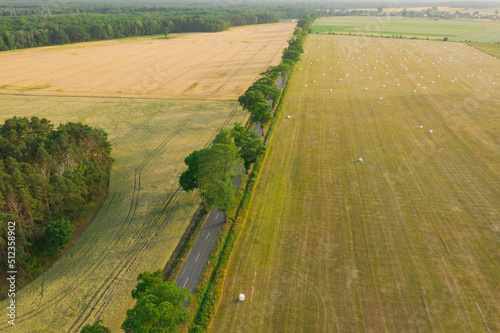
x,y
433,12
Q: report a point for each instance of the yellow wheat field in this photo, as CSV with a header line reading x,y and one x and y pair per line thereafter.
x,y
214,66
142,219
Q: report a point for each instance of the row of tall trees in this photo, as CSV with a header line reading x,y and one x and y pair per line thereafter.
x,y
39,26
213,169
47,175
159,306
260,96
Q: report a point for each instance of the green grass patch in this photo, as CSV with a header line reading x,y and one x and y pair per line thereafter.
x,y
429,26
490,48
327,28
35,88
455,29
192,86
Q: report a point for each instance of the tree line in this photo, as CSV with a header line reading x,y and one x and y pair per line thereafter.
x,y
47,176
260,96
431,12
159,304
212,169
29,26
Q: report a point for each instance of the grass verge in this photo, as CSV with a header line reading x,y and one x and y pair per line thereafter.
x,y
209,290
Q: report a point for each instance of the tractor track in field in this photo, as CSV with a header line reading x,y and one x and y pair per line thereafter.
x,y
83,65
135,128
103,294
156,222
146,233
130,215
243,66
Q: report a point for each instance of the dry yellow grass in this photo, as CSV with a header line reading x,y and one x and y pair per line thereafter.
x,y
408,240
143,217
222,64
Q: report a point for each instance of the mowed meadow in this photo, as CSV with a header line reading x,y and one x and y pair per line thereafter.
x,y
143,217
406,240
215,66
459,29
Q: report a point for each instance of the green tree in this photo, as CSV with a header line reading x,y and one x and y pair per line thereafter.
x,y
212,171
166,31
57,235
269,92
189,179
261,114
96,328
239,133
160,309
250,98
145,281
293,55
225,137
251,148
220,166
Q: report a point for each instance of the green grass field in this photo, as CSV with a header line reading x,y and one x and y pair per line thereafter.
x,y
143,217
491,49
408,240
456,29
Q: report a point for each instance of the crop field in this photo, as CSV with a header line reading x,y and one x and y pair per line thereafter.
x,y
405,240
456,29
482,11
490,48
141,220
214,66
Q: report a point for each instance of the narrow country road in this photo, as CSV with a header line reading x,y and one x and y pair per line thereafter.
x,y
198,257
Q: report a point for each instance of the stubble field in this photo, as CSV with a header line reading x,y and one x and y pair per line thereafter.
x,y
214,66
408,239
142,219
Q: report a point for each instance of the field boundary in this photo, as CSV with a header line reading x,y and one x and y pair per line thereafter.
x,y
210,287
174,264
488,53
81,223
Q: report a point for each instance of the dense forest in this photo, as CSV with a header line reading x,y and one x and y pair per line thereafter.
x,y
47,176
25,26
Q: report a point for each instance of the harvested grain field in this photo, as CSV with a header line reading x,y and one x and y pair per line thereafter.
x,y
406,240
142,219
213,66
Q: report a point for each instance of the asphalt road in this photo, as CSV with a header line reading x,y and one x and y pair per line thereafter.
x,y
257,129
198,257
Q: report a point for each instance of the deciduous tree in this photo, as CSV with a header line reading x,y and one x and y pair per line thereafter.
x,y
159,310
